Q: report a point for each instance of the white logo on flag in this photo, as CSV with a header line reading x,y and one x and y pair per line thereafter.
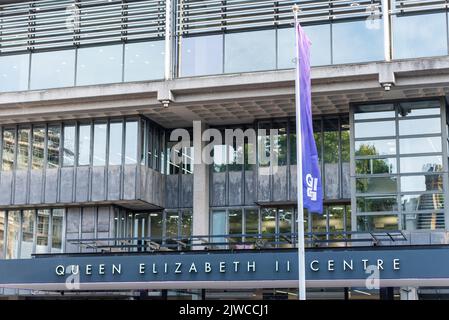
x,y
312,186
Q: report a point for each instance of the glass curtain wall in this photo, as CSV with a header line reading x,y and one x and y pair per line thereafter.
x,y
399,166
25,232
274,226
86,143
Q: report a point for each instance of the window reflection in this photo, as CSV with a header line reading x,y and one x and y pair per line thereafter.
x,y
69,145
54,140
144,61
9,144
99,65
14,72
357,41
38,147
374,111
12,238
421,220
376,203
375,147
420,145
268,224
28,221
411,35
52,69
43,226
57,230
419,126
421,164
156,226
375,166
374,129
115,143
251,223
171,224
424,201
201,55
320,50
2,233
250,51
422,183
99,149
23,151
186,225
376,185
235,224
84,145
383,222
131,142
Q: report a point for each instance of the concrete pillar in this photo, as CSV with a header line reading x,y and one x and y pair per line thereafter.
x,y
409,293
200,188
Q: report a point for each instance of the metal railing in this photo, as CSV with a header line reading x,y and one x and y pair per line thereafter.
x,y
235,241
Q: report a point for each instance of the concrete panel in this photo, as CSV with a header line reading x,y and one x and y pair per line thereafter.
x,y
82,184
331,190
114,182
293,183
186,190
346,180
70,247
263,188
103,222
149,192
417,238
88,220
142,180
20,187
73,220
235,188
280,184
35,186
66,186
129,182
250,187
218,184
98,184
157,186
87,235
5,187
172,191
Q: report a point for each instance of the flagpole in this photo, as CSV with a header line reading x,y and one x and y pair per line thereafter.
x,y
299,183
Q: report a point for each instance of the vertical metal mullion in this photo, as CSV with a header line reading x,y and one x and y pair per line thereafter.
x,y
123,62
5,236
352,170
64,230
30,61
30,151
60,160
323,173
75,160
91,160
34,231
19,245
288,170
106,165
122,165
75,75
398,164
45,164
14,168
340,163
50,231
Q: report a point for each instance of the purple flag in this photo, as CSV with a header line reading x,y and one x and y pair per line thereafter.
x,y
312,187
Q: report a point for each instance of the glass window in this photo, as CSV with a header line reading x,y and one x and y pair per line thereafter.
x,y
156,226
376,185
285,222
411,35
28,221
220,157
97,65
419,108
426,201
84,145
9,145
14,72
357,41
251,223
319,225
375,147
12,238
144,60
43,226
115,143
250,51
423,221
336,219
99,158
69,145
376,203
375,166
383,222
235,224
2,233
374,111
293,143
57,228
52,69
218,226
201,55
421,164
131,142
38,147
23,149
420,145
422,183
171,227
419,126
268,223
186,223
374,129
54,140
